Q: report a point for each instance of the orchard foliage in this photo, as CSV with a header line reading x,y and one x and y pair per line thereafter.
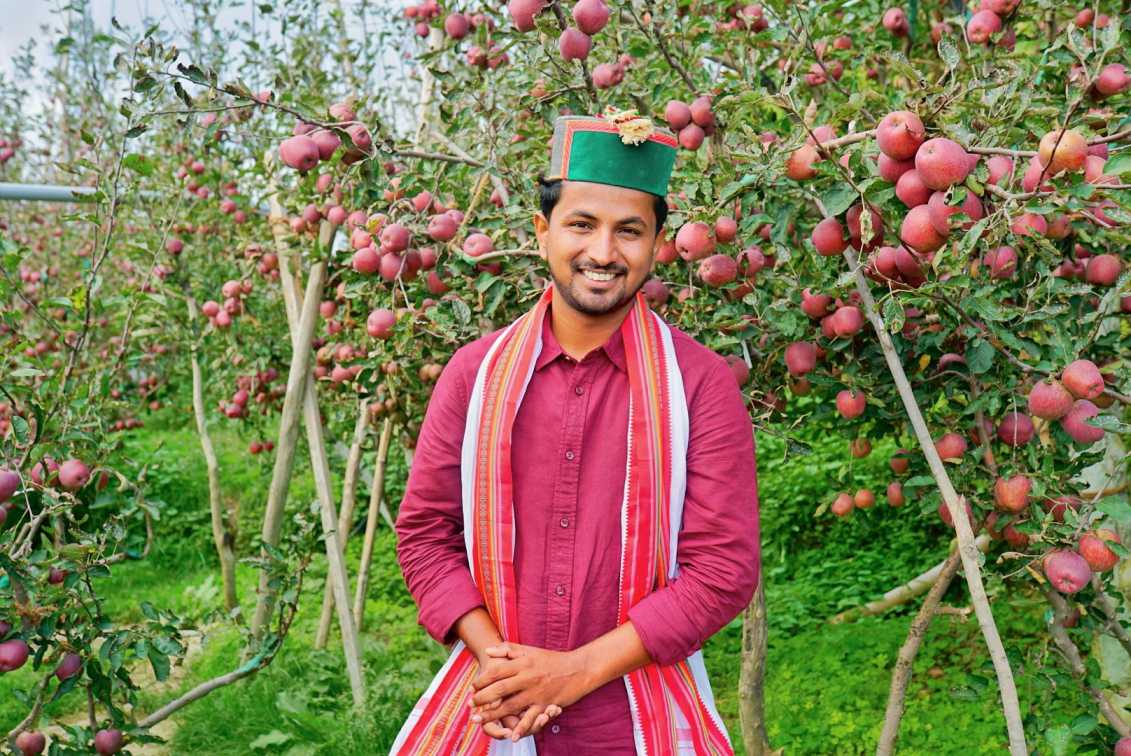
x,y
952,178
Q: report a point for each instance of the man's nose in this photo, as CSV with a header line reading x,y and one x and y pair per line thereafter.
x,y
603,249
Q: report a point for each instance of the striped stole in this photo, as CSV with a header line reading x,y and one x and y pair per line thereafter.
x,y
673,710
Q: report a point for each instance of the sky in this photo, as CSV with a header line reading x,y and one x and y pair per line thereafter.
x,y
22,20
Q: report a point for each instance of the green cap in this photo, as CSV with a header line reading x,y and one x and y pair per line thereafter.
x,y
620,149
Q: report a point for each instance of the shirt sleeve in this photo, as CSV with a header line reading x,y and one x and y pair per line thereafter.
x,y
718,553
430,545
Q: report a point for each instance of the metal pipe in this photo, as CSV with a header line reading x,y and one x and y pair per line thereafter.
x,y
46,192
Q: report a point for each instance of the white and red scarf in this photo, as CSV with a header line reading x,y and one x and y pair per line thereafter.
x,y
673,710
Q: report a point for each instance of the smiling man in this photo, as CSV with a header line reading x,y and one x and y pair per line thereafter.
x,y
582,512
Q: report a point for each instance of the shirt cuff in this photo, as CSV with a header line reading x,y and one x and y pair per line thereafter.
x,y
449,599
664,629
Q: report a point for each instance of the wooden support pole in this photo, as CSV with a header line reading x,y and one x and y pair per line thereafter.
x,y
376,505
349,499
222,534
955,504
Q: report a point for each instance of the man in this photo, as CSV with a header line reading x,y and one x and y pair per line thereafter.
x,y
582,511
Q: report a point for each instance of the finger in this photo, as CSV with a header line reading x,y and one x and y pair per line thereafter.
x,y
524,724
496,730
516,704
542,720
493,672
497,690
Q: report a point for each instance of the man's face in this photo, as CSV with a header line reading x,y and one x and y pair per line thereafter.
x,y
601,228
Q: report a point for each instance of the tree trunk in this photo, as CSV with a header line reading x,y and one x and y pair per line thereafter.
x,y
223,534
349,499
901,675
750,690
288,435
956,506
376,502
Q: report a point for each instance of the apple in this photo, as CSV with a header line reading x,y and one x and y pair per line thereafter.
x,y
380,323
1063,150
899,134
69,666
31,743
299,152
828,237
73,474
895,494
677,114
694,241
1075,422
1093,547
108,741
1050,400
574,44
13,654
1016,429
1012,494
1083,379
590,15
1067,571
942,163
950,446
851,404
800,358
982,26
843,505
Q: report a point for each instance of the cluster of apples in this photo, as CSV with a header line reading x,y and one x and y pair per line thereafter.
x,y
575,42
310,144
924,172
692,123
459,25
261,386
232,292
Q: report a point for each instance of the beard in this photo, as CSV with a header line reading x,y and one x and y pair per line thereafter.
x,y
587,301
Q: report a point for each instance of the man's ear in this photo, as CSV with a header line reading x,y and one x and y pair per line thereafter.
x,y
541,232
661,237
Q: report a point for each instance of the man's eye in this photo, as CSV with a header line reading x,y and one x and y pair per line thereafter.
x,y
633,231
579,224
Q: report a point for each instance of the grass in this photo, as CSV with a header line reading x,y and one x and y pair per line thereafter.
x,y
825,688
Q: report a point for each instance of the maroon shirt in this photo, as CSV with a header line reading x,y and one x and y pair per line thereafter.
x,y
569,455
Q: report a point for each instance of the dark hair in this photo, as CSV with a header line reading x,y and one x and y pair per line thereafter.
x,y
551,191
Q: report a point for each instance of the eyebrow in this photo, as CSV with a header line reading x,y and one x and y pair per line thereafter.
x,y
632,219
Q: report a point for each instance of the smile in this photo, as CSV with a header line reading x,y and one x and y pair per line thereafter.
x,y
593,275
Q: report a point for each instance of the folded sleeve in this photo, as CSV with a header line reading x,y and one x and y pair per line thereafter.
x,y
430,545
718,553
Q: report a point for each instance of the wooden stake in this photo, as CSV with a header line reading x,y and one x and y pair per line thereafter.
x,y
349,499
288,436
222,535
956,506
376,502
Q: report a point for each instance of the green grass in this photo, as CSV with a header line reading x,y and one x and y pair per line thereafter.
x,y
825,688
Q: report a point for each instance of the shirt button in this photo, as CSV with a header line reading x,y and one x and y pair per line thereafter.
x,y
578,390
560,589
569,455
565,522
555,729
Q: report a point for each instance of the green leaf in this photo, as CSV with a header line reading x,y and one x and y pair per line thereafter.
x,y
949,53
1109,423
273,738
838,200
160,664
983,307
139,163
1115,508
893,315
979,356
1059,738
1118,164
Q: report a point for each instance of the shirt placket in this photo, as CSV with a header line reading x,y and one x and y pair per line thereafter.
x,y
565,496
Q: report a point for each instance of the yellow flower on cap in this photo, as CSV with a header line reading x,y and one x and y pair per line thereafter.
x,y
633,128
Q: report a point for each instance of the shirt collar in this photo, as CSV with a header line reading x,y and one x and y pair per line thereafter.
x,y
552,350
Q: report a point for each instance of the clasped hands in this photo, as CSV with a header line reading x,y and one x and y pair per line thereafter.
x,y
519,689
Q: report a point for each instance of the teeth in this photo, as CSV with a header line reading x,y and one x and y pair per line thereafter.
x,y
598,276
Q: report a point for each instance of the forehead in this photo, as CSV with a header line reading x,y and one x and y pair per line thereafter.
x,y
604,201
